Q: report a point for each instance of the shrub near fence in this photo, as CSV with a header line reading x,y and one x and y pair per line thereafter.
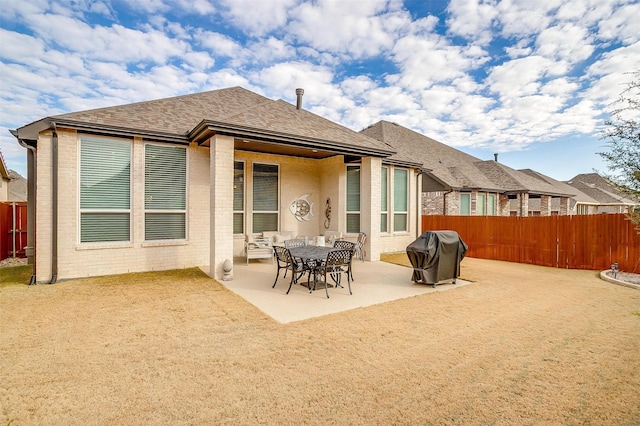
x,y
576,242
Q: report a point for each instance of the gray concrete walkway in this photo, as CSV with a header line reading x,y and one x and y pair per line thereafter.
x,y
375,282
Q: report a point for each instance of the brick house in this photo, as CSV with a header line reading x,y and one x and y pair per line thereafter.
x,y
180,182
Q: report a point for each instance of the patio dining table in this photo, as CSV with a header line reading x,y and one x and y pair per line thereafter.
x,y
312,256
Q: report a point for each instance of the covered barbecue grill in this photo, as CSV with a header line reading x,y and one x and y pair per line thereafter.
x,y
436,256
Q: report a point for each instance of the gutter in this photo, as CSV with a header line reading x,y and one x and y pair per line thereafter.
x,y
31,205
54,203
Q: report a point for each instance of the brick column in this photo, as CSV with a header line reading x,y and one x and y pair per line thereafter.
x,y
564,206
370,206
221,204
545,205
523,204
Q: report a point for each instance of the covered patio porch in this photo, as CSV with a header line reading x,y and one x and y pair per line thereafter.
x,y
375,282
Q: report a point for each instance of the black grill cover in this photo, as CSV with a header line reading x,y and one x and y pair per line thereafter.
x,y
436,256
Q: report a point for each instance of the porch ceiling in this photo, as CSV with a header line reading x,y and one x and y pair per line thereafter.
x,y
281,149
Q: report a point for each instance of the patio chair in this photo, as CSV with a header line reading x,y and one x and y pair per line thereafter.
x,y
288,263
336,264
294,243
347,245
362,237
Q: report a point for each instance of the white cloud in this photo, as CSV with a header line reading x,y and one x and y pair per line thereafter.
x,y
622,24
258,17
567,43
472,19
354,29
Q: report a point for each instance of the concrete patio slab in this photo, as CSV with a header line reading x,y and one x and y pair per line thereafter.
x,y
375,282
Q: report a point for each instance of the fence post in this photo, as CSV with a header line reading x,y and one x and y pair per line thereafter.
x,y
13,226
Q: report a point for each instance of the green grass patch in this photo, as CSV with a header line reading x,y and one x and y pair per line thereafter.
x,y
15,275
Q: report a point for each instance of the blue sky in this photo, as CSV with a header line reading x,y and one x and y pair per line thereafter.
x,y
530,80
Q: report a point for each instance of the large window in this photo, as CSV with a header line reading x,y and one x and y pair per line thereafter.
x,y
238,197
105,190
465,204
265,197
480,204
400,199
384,197
491,204
165,192
353,199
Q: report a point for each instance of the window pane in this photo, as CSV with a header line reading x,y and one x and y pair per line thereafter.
x,y
491,205
105,174
384,189
400,180
353,223
104,227
238,186
383,222
399,222
165,178
465,204
480,205
164,226
353,189
165,188
238,223
265,222
265,187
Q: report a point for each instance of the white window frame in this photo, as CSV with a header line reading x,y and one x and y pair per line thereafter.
x,y
243,212
397,212
384,207
167,211
481,204
353,212
491,205
85,139
468,196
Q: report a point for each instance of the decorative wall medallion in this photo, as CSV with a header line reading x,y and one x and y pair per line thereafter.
x,y
301,208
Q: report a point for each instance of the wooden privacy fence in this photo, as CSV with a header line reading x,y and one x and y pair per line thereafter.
x,y
576,242
13,229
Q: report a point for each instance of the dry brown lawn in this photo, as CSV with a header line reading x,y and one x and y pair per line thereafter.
x,y
522,345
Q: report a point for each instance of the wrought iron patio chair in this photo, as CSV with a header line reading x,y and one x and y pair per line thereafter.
x,y
362,237
288,263
347,245
336,264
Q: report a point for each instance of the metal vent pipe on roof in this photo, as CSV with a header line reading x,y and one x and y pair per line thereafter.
x,y
495,157
299,93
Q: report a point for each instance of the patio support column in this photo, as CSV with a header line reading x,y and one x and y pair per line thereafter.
x,y
370,200
523,204
545,205
221,209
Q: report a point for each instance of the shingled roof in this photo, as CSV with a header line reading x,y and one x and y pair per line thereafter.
x,y
235,111
455,169
600,189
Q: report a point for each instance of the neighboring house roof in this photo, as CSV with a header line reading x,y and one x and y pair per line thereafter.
x,y
457,170
451,167
601,189
4,173
576,195
17,187
234,111
511,180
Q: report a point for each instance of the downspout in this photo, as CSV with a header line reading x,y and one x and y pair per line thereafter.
x,y
419,209
31,207
54,203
